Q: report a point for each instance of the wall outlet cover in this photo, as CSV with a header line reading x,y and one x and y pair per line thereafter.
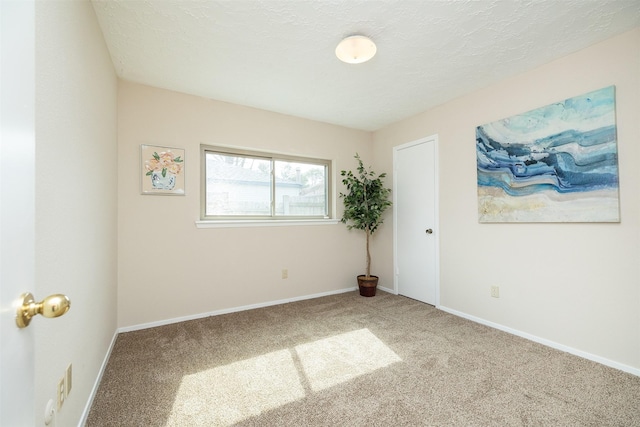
x,y
60,393
495,291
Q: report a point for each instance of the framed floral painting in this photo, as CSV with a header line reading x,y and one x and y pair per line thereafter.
x,y
162,170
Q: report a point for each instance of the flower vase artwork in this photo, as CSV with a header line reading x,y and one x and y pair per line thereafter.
x,y
162,169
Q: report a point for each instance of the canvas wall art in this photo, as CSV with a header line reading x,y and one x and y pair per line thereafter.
x,y
162,170
558,163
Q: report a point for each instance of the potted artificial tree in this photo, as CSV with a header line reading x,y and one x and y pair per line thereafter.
x,y
365,201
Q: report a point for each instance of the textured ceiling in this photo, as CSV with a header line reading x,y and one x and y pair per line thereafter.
x,y
279,55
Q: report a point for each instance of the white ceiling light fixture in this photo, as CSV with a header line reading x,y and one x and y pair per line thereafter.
x,y
356,49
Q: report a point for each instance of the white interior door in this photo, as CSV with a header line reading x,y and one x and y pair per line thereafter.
x,y
17,205
415,225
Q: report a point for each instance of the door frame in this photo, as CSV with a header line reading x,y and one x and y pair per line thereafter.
x,y
436,217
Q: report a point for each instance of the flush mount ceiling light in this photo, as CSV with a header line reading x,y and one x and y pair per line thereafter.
x,y
356,49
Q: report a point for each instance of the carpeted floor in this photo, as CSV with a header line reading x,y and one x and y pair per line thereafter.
x,y
345,360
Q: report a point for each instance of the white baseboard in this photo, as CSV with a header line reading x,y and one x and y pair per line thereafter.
x,y
391,291
548,343
96,383
230,310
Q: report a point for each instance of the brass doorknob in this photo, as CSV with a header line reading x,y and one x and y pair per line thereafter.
x,y
429,231
52,306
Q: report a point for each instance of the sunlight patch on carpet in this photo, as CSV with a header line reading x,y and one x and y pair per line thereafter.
x,y
228,394
334,360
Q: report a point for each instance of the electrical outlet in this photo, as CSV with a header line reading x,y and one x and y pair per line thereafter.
x,y
495,291
68,383
60,393
285,273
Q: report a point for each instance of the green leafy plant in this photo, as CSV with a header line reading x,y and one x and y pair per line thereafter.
x,y
365,201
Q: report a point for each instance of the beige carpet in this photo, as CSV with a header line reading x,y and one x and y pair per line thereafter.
x,y
345,360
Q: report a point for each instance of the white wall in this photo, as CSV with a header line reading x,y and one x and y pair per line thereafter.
x,y
76,194
577,285
168,269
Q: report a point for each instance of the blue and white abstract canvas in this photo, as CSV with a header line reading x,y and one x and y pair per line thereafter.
x,y
557,163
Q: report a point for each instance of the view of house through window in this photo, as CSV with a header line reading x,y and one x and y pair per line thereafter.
x,y
242,184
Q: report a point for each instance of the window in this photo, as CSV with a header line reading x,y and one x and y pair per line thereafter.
x,y
240,184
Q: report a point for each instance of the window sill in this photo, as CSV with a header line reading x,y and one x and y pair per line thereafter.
x,y
263,223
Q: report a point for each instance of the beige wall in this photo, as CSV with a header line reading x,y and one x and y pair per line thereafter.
x,y
573,285
169,269
577,285
76,194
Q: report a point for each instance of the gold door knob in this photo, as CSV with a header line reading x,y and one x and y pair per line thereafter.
x,y
52,306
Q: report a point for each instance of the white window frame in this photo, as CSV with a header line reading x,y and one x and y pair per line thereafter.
x,y
212,221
